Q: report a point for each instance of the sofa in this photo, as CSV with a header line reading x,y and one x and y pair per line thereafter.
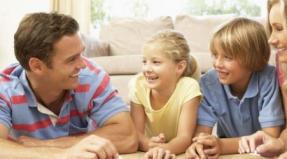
x,y
118,47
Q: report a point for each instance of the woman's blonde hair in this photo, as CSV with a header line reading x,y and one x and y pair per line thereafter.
x,y
244,40
174,45
283,8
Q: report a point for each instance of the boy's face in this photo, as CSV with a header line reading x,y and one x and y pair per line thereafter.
x,y
278,38
229,70
66,63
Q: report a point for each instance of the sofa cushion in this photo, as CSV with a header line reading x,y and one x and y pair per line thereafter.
x,y
94,47
199,29
121,64
127,35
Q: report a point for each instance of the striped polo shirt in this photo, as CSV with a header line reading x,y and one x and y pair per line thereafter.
x,y
85,108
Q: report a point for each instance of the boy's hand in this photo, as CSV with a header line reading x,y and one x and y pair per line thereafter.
x,y
211,146
195,151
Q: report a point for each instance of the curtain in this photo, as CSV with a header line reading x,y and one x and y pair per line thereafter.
x,y
78,9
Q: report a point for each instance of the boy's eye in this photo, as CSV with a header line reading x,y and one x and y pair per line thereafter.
x,y
144,61
228,57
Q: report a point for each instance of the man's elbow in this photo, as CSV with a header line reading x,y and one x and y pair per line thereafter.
x,y
131,143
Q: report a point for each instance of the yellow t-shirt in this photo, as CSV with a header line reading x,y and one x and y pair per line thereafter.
x,y
166,119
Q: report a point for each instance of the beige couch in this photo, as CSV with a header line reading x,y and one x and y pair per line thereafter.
x,y
118,48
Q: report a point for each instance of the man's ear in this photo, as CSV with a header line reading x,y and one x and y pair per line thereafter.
x,y
181,66
36,65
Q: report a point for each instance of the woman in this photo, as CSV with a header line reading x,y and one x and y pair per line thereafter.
x,y
261,142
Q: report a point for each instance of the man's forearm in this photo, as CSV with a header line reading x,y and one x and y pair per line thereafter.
x,y
12,150
123,137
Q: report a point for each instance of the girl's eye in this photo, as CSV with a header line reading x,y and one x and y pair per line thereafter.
x,y
156,62
144,61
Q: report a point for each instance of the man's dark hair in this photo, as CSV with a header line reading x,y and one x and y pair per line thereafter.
x,y
38,32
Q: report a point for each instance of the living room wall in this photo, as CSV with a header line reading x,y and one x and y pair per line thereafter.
x,y
11,12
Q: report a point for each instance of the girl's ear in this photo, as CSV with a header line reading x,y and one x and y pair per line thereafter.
x,y
181,66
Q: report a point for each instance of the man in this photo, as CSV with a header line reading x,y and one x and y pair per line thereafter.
x,y
55,99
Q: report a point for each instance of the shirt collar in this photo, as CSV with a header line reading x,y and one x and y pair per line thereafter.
x,y
32,101
251,91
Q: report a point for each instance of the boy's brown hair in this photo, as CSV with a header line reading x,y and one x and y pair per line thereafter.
x,y
244,40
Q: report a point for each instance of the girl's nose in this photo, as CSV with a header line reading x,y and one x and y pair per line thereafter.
x,y
147,68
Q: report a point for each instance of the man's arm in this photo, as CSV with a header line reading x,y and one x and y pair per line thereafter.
x,y
119,129
8,149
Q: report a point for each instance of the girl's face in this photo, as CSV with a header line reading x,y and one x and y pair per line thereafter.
x,y
160,71
278,38
229,70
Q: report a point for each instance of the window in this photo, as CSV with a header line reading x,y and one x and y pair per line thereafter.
x,y
103,10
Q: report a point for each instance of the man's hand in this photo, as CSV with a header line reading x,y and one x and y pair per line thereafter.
x,y
156,140
92,147
159,153
264,144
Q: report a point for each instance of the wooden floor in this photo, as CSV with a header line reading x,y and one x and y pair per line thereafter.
x,y
139,155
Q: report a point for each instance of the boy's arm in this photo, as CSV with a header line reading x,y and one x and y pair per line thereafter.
x,y
186,127
139,119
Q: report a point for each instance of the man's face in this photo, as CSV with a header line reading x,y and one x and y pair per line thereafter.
x,y
66,63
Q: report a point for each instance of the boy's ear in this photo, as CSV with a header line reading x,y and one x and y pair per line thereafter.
x,y
36,65
181,66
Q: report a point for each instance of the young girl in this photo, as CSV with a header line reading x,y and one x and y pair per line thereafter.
x,y
261,142
241,93
164,98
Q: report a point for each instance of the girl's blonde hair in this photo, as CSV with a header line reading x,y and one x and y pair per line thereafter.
x,y
283,8
174,45
244,40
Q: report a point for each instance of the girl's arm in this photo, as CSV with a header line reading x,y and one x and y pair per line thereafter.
x,y
139,118
186,127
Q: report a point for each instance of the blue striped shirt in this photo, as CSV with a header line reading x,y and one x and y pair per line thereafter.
x,y
85,108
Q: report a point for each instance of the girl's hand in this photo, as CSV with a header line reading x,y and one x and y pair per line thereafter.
x,y
159,153
157,140
195,151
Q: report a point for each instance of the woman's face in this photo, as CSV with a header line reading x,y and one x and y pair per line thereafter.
x,y
278,38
